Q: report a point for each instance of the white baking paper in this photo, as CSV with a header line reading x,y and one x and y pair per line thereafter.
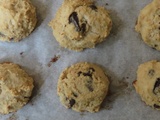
x,y
120,54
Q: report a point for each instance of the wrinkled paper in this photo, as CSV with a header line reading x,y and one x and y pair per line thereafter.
x,y
120,54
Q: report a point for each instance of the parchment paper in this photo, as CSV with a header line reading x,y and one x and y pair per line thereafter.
x,y
120,54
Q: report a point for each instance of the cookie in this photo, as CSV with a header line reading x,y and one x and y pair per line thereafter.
x,y
148,24
17,19
80,24
147,84
15,88
83,87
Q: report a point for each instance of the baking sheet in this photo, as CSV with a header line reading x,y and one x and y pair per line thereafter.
x,y
120,54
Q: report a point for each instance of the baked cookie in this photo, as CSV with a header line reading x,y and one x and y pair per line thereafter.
x,y
148,24
15,88
79,24
83,87
17,19
148,83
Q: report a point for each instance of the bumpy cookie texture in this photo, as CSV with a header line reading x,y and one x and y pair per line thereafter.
x,y
148,24
147,84
83,87
79,24
17,19
15,88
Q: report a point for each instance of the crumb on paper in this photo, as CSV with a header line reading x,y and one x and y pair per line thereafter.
x,y
107,107
53,60
107,4
82,114
12,117
21,53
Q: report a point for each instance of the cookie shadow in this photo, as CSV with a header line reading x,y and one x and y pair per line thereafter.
x,y
117,26
42,8
118,88
37,81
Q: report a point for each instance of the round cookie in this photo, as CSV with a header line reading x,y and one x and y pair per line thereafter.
x,y
15,88
79,24
147,84
17,19
83,87
148,24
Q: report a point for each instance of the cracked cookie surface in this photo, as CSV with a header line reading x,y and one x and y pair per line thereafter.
x,y
80,24
17,19
83,87
148,24
147,84
15,88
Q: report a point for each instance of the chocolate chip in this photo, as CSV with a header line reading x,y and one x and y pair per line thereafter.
x,y
90,88
92,69
89,73
156,106
75,95
72,102
73,18
93,7
89,85
79,73
155,45
156,88
151,72
83,28
11,39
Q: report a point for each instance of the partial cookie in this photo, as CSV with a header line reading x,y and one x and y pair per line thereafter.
x,y
147,84
148,24
80,24
17,19
83,87
15,88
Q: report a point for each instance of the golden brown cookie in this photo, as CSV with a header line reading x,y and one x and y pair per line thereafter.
x,y
17,19
147,84
83,87
15,88
148,24
80,24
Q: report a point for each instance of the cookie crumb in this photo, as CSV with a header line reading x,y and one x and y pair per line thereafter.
x,y
107,4
82,114
53,60
21,53
107,107
12,117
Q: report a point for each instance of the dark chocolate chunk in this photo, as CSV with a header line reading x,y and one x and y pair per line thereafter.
x,y
90,88
83,28
75,95
92,69
156,106
11,39
151,72
89,73
155,45
73,18
157,84
79,73
89,85
93,7
72,102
